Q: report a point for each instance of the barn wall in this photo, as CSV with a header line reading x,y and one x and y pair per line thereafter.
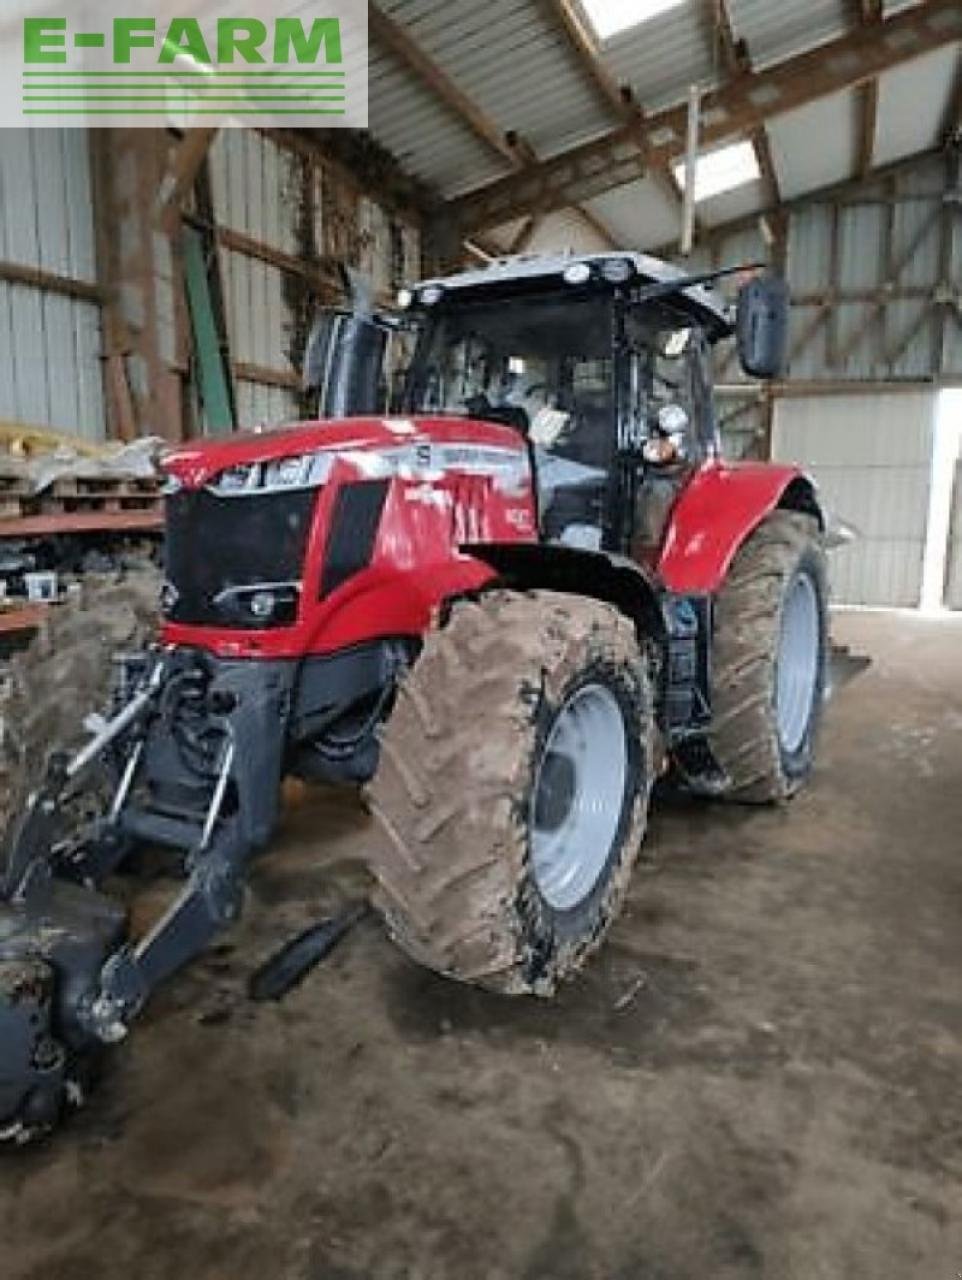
x,y
281,208
871,456
50,373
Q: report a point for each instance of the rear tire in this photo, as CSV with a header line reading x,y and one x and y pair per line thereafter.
x,y
770,661
63,676
513,789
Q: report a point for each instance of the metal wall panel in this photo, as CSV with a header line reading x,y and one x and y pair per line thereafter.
x,y
254,188
259,405
872,457
50,373
257,190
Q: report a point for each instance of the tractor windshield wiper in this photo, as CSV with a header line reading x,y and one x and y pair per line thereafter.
x,y
665,288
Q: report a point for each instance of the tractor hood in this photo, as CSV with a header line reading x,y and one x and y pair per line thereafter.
x,y
452,439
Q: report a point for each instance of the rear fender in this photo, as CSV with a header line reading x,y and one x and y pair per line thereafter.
x,y
722,505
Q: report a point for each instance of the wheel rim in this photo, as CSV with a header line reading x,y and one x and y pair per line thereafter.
x,y
578,796
797,666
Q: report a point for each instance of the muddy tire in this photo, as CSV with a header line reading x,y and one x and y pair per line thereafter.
x,y
524,713
770,661
63,676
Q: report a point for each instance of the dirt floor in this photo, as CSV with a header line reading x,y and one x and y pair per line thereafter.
x,y
760,1076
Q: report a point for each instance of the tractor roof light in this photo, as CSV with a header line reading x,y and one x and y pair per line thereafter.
x,y
432,295
617,270
405,298
577,273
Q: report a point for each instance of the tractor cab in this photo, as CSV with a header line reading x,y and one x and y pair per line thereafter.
x,y
601,363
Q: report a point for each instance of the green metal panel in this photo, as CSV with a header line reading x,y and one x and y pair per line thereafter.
x,y
213,375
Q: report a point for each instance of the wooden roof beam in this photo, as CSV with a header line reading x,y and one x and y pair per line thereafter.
x,y
394,37
510,145
728,112
951,131
867,13
867,127
838,192
737,62
616,98
178,182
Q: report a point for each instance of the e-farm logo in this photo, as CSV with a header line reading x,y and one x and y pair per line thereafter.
x,y
211,65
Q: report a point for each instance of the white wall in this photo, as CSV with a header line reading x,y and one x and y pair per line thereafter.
x,y
871,456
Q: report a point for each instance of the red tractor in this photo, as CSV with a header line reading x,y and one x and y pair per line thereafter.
x,y
507,607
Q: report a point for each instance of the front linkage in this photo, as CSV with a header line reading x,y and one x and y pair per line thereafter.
x,y
194,753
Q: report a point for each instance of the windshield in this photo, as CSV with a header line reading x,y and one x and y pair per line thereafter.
x,y
538,364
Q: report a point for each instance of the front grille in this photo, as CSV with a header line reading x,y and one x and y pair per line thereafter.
x,y
215,545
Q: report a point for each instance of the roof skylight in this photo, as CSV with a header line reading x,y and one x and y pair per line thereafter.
x,y
609,17
721,170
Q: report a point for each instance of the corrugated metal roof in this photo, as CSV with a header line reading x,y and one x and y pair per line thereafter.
x,y
815,146
512,61
427,139
913,100
639,215
662,57
730,205
777,30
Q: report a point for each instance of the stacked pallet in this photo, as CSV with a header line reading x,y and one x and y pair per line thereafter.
x,y
61,483
15,487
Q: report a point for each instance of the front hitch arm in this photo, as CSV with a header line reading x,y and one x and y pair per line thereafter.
x,y
71,979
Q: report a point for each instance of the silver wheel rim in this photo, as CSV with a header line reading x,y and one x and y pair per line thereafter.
x,y
797,665
578,796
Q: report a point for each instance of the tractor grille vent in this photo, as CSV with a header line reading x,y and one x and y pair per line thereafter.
x,y
353,532
215,545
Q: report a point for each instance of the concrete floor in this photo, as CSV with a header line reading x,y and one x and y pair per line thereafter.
x,y
761,1075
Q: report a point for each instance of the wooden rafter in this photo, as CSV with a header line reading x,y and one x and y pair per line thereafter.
x,y
595,224
510,145
867,13
867,127
848,189
178,182
737,63
615,98
729,112
393,36
524,235
951,130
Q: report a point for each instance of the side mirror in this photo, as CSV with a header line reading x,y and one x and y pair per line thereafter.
x,y
344,364
763,327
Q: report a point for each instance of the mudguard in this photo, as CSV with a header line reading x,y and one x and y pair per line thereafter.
x,y
719,508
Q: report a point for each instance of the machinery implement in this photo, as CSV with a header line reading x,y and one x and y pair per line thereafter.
x,y
506,606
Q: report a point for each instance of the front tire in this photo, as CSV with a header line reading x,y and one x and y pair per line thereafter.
x,y
513,789
770,661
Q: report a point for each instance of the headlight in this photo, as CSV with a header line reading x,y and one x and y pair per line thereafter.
x,y
577,273
617,270
302,471
285,473
262,604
